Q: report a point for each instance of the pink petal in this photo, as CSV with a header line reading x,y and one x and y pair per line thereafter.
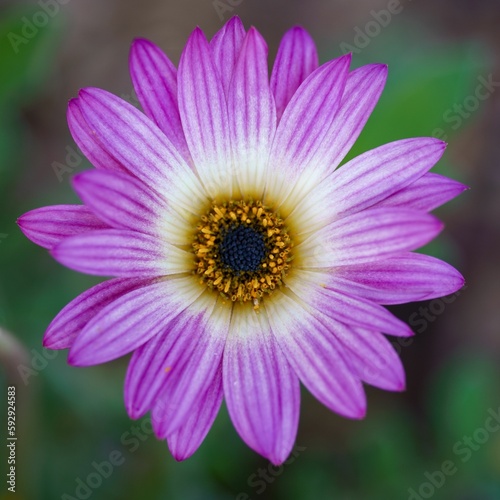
x,y
48,226
373,358
195,359
317,357
374,234
404,278
121,200
262,392
323,291
305,124
155,83
136,142
65,327
378,173
115,252
296,59
226,45
362,91
203,111
150,368
252,114
130,321
187,438
87,140
427,193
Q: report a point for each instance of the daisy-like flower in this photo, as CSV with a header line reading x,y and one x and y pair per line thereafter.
x,y
243,260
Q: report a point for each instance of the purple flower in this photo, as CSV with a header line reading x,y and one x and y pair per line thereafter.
x,y
244,260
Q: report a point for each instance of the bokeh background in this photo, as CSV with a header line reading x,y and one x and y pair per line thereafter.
x,y
70,420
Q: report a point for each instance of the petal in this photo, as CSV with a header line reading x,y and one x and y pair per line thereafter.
x,y
427,193
262,392
132,320
296,59
326,296
122,201
362,91
226,45
65,327
404,278
155,83
137,143
87,140
150,367
114,252
252,114
305,125
48,226
195,359
203,111
369,178
373,358
373,234
187,439
316,356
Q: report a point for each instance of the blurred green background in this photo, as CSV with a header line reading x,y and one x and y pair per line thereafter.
x,y
437,439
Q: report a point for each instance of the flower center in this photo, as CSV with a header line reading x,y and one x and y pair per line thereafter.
x,y
242,250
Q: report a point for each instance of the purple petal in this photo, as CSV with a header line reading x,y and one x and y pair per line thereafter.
x,y
378,173
187,439
252,114
296,59
195,359
130,321
306,123
136,142
325,296
226,45
150,368
317,357
373,358
362,91
373,234
65,327
88,142
262,392
427,193
114,252
155,83
203,111
48,226
400,279
120,200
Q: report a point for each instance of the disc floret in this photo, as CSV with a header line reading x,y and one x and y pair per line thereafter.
x,y
242,250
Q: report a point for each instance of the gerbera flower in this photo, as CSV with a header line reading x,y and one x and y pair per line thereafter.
x,y
244,260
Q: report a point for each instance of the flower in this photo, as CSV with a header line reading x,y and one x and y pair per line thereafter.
x,y
244,260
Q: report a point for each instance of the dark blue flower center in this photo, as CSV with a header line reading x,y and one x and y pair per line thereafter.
x,y
242,249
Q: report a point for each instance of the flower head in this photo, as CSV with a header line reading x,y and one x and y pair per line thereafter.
x,y
243,259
